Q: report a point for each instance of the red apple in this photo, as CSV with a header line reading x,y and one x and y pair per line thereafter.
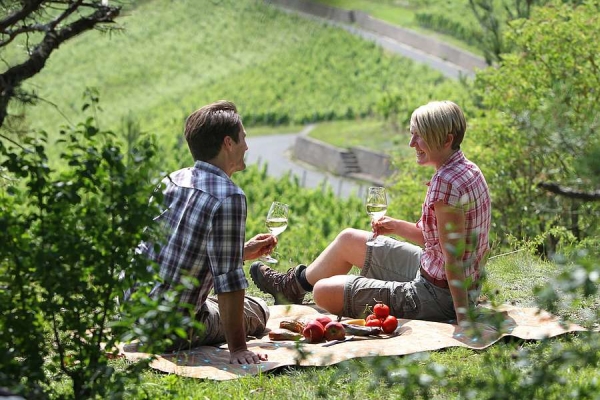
x,y
335,331
323,319
389,324
313,332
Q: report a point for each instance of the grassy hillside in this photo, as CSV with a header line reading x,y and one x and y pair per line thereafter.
x,y
172,57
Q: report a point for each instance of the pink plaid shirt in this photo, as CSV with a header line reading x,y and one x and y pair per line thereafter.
x,y
458,183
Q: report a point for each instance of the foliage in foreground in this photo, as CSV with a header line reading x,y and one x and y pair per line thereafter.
x,y
66,237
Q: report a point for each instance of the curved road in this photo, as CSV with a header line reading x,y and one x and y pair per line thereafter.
x,y
275,150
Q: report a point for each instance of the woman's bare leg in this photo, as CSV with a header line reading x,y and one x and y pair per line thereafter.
x,y
328,293
347,249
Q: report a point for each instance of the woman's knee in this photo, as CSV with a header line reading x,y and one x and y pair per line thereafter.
x,y
349,234
328,293
350,244
351,238
319,289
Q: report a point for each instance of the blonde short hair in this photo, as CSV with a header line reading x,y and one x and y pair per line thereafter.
x,y
436,120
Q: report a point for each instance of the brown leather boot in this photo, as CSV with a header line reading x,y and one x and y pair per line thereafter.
x,y
284,287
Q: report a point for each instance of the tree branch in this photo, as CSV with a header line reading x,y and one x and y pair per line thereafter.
x,y
570,192
28,8
12,141
12,78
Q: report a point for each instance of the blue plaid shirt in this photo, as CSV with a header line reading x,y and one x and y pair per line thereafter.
x,y
205,218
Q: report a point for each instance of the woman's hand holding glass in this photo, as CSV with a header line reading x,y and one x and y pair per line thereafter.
x,y
384,226
376,205
277,221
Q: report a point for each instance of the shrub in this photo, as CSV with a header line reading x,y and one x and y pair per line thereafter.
x,y
66,236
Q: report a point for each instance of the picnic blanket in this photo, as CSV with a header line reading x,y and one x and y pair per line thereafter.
x,y
411,336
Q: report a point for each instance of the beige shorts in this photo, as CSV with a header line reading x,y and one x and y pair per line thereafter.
x,y
391,275
256,315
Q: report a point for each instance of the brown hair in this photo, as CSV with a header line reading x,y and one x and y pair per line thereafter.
x,y
206,128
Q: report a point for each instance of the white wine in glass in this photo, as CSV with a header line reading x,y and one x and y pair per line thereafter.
x,y
277,222
276,225
376,204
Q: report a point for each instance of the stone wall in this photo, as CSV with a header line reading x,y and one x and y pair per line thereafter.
x,y
320,154
374,164
373,167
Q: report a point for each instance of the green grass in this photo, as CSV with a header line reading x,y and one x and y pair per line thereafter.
x,y
371,133
511,276
347,381
392,12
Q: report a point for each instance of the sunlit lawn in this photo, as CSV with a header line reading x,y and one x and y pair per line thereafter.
x,y
373,134
510,279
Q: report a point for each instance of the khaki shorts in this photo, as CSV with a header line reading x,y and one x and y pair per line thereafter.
x,y
256,315
391,275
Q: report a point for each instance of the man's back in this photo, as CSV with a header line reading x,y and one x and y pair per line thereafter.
x,y
204,224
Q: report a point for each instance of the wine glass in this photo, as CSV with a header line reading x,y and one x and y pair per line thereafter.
x,y
376,204
277,221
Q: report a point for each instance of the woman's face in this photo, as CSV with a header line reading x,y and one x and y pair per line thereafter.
x,y
425,154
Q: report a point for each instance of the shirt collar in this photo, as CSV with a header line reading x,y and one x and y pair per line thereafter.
x,y
455,157
208,167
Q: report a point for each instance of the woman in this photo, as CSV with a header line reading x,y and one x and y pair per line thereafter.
x,y
435,277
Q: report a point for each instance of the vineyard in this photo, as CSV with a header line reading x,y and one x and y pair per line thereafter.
x,y
278,68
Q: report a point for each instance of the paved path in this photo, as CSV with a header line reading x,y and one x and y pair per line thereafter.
x,y
275,150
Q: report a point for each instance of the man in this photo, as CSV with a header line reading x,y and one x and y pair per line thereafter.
x,y
437,276
205,221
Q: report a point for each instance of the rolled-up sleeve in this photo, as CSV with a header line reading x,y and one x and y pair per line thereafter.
x,y
226,248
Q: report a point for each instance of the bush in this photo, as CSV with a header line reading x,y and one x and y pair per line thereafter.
x,y
66,236
539,121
